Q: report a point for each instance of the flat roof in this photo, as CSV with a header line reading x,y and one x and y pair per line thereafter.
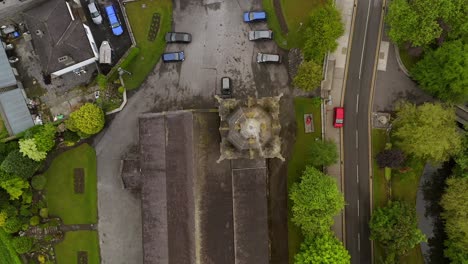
x,y
7,78
15,112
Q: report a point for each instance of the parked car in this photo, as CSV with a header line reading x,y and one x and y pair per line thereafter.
x,y
182,37
173,56
338,117
260,34
254,16
114,20
268,58
226,89
95,13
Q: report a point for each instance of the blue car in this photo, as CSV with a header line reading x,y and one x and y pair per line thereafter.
x,y
173,56
114,20
254,16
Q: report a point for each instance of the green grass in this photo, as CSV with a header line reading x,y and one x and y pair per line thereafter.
x,y
379,138
60,196
298,161
7,253
67,250
407,60
405,184
150,51
295,12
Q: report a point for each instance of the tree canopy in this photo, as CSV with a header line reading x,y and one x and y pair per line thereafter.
x,y
315,200
392,158
325,27
309,76
17,164
428,131
324,249
28,148
86,121
322,153
395,227
444,72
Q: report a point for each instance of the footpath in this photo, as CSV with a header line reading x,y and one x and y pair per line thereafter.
x,y
333,91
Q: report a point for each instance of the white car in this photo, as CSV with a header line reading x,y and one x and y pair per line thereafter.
x,y
268,58
260,34
95,13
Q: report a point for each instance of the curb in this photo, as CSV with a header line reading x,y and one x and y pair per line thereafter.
x,y
400,63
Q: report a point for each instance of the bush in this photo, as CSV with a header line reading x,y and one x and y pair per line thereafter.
x,y
12,225
34,221
38,182
86,121
22,244
121,89
101,81
44,212
17,164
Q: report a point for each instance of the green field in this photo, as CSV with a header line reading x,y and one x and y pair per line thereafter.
x,y
67,250
150,51
62,201
7,253
298,160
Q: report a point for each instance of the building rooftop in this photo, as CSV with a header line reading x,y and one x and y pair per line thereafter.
x,y
7,78
15,112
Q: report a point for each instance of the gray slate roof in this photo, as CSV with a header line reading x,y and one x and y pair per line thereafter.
x,y
15,112
61,36
7,78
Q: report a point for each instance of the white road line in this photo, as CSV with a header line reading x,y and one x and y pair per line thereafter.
x,y
364,42
357,140
358,241
357,103
358,207
357,173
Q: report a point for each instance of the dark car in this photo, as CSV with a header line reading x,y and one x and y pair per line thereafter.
x,y
268,58
254,16
173,56
260,35
226,89
173,37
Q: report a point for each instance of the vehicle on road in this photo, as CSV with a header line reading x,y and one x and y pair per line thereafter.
x,y
338,117
95,13
181,37
254,16
268,58
226,89
173,56
114,20
260,35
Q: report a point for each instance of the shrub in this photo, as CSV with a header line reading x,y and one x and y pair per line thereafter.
x,y
22,244
12,225
44,212
86,121
101,81
34,221
38,182
17,164
121,89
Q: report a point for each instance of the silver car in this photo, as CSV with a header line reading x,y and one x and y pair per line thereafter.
x,y
268,58
95,13
260,34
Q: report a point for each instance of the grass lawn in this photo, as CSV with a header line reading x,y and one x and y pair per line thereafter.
x,y
298,161
150,51
295,12
7,253
67,250
62,201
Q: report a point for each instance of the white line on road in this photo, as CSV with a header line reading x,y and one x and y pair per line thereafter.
x,y
358,241
357,173
357,103
358,207
357,140
364,42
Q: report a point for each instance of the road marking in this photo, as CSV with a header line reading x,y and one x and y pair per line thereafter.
x,y
358,241
357,173
364,42
357,103
357,140
358,207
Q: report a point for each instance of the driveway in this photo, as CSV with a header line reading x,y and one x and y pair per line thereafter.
x,y
219,48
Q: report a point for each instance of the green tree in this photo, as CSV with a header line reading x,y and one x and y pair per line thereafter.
x,y
315,200
86,121
3,218
22,244
309,76
28,148
395,228
322,153
324,249
45,137
15,187
444,72
12,225
324,28
428,131
17,164
455,213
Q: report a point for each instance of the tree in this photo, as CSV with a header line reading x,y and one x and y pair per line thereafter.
x,y
22,244
14,187
395,228
86,121
325,27
322,153
324,249
28,148
455,204
309,76
444,72
17,164
428,131
392,158
315,200
3,218
45,137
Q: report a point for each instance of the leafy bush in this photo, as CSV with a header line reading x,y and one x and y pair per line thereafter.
x,y
28,148
14,187
17,164
44,212
22,244
309,76
101,80
38,182
323,153
121,89
34,221
12,225
86,121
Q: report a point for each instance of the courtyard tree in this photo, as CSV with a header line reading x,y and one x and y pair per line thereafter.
x,y
309,76
395,228
322,153
324,248
427,131
28,148
325,27
86,121
444,72
18,164
315,200
392,158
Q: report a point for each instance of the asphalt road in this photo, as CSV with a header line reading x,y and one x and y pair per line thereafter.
x,y
356,129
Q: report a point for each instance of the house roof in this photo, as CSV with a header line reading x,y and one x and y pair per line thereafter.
x,y
56,35
7,78
15,112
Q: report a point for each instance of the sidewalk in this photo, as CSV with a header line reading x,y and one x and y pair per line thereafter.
x,y
332,89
